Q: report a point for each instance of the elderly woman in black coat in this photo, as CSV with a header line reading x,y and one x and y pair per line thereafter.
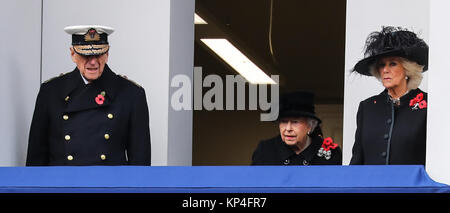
x,y
300,141
391,126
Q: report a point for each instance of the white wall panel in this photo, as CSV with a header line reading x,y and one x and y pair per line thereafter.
x,y
181,62
20,39
438,126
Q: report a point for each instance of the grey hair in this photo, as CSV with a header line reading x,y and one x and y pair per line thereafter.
x,y
412,69
312,123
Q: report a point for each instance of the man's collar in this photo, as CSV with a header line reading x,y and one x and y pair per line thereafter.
x,y
72,81
106,82
84,79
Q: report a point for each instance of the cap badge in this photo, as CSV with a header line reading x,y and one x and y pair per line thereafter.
x,y
92,35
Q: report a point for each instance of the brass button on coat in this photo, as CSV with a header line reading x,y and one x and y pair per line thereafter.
x,y
67,137
107,136
66,117
69,157
67,98
110,116
103,157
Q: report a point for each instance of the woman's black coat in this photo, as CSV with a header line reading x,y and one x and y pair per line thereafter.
x,y
390,134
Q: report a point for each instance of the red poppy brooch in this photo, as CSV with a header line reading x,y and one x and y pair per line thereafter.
x,y
100,98
325,150
418,102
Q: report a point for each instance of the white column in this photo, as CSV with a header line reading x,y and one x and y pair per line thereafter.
x,y
364,17
438,145
181,63
20,52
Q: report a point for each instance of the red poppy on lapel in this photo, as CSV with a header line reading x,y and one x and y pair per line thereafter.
x,y
99,99
423,104
328,144
419,96
325,151
413,102
418,102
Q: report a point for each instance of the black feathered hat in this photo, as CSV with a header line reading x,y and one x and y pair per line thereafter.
x,y
393,41
297,104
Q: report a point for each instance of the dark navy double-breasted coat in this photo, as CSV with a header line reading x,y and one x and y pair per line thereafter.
x,y
72,125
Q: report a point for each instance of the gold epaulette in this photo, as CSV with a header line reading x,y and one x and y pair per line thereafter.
x,y
54,77
125,77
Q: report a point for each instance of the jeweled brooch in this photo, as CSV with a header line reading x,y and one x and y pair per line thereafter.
x,y
325,150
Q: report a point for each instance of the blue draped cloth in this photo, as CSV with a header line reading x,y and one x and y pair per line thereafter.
x,y
218,179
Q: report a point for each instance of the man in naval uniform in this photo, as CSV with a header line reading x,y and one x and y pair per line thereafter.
x,y
90,116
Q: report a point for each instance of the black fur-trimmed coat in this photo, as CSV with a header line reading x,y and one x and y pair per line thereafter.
x,y
275,152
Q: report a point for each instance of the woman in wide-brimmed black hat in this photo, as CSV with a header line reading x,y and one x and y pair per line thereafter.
x,y
391,126
300,141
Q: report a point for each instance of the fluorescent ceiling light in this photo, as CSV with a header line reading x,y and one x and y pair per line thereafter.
x,y
236,59
198,19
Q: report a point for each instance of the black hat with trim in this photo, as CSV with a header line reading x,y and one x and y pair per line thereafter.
x,y
89,40
393,41
297,104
